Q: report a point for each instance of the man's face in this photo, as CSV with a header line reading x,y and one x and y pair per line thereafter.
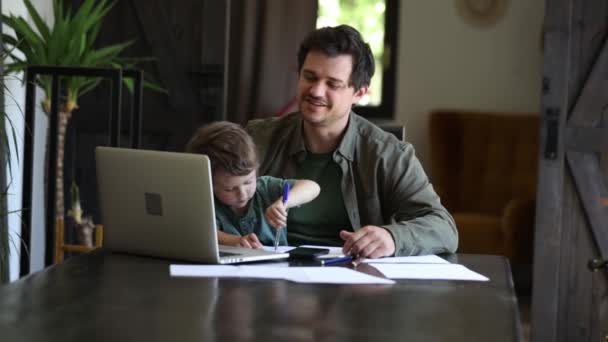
x,y
325,96
234,191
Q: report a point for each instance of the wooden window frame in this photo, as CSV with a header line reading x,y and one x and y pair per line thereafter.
x,y
386,109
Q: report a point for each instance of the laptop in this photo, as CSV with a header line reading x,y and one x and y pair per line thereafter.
x,y
161,204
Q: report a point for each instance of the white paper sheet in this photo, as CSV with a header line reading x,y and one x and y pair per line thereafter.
x,y
419,259
280,249
336,252
202,271
317,275
340,275
429,271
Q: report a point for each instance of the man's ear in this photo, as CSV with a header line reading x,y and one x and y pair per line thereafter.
x,y
360,93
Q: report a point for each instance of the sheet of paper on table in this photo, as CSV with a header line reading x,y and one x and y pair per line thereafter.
x,y
335,252
429,271
409,267
318,275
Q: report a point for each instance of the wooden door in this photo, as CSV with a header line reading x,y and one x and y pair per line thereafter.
x,y
570,301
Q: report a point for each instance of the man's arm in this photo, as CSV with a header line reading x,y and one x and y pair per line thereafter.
x,y
368,242
419,224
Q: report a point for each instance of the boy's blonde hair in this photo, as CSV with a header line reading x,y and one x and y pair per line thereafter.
x,y
228,146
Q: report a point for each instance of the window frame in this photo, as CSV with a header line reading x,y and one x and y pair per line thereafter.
x,y
386,109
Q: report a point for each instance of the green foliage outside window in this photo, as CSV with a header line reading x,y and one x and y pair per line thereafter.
x,y
367,16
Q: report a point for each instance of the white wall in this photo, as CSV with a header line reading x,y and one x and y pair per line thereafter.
x,y
446,63
14,107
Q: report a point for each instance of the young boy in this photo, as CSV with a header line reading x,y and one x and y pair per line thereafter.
x,y
246,206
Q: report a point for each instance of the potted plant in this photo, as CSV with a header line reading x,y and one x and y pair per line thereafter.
x,y
7,134
69,42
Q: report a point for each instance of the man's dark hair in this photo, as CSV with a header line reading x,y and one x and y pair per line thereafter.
x,y
341,40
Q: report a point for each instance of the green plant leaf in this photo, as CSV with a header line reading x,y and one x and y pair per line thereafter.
x,y
7,143
29,37
128,83
27,49
109,53
155,87
70,42
57,9
15,67
9,42
40,24
92,36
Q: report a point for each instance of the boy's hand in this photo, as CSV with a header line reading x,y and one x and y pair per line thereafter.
x,y
276,215
247,241
250,241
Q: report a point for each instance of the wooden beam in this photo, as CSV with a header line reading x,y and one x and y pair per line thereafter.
x,y
588,175
549,224
592,100
586,139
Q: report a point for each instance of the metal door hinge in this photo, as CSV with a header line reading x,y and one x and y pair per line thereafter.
x,y
546,85
552,127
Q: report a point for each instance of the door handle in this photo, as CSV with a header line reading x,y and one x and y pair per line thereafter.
x,y
596,264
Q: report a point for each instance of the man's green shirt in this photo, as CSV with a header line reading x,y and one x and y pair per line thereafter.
x,y
383,183
320,221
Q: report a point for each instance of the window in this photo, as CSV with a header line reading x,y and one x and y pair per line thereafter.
x,y
377,22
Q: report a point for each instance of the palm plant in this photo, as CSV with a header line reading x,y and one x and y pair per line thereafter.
x,y
8,137
69,42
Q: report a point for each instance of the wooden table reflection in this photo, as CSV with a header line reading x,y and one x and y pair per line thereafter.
x,y
103,296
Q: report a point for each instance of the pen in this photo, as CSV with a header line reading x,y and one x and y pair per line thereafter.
x,y
333,261
277,233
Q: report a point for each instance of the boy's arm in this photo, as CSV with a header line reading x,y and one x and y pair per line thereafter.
x,y
249,241
227,239
303,191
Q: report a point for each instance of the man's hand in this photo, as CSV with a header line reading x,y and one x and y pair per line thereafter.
x,y
368,242
276,215
250,241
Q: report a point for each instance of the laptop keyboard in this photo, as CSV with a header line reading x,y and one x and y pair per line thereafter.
x,y
227,254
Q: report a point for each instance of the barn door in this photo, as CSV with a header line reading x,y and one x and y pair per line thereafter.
x,y
570,291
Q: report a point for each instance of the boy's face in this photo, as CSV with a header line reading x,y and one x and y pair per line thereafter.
x,y
234,191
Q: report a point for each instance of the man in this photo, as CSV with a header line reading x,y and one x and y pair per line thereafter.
x,y
375,198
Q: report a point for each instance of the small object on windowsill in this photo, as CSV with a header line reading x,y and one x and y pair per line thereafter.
x,y
84,225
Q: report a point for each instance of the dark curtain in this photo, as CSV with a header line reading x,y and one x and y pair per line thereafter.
x,y
262,64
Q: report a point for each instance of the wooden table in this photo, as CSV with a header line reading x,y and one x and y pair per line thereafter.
x,y
102,296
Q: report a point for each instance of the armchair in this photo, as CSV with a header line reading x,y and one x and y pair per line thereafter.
x,y
484,167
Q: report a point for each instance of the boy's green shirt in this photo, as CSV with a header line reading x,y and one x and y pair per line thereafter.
x,y
269,189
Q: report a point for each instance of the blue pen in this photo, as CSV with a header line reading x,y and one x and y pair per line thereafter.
x,y
339,260
277,233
